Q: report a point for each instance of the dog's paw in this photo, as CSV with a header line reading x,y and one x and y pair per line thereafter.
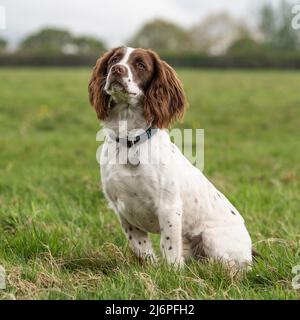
x,y
151,258
178,264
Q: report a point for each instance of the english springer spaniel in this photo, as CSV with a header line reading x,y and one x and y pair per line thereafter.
x,y
137,95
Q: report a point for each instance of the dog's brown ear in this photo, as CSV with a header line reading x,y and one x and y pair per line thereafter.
x,y
164,99
99,99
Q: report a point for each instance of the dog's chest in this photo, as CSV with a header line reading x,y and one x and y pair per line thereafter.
x,y
132,193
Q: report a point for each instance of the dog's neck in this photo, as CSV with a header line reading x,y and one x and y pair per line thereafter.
x,y
126,119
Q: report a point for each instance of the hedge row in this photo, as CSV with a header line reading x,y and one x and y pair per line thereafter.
x,y
51,60
249,61
187,60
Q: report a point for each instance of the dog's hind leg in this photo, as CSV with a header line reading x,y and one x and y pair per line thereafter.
x,y
231,246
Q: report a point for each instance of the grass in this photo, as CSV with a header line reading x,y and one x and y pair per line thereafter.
x,y
59,240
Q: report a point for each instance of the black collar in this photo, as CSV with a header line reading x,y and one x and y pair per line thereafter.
x,y
131,141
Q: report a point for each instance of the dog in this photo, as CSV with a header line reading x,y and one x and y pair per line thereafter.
x,y
136,88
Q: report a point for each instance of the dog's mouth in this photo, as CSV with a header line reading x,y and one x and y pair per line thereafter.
x,y
119,88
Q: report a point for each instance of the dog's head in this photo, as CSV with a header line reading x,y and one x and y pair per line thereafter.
x,y
137,76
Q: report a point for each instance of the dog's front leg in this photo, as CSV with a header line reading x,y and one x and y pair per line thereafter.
x,y
170,235
139,241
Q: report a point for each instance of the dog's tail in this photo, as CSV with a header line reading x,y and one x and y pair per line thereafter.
x,y
256,255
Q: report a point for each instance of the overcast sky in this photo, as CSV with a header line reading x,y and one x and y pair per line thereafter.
x,y
114,21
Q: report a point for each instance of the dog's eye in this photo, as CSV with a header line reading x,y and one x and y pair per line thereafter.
x,y
141,65
114,60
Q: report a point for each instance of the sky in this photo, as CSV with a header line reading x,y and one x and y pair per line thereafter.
x,y
113,21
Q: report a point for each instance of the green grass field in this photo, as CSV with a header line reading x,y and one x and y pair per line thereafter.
x,y
59,240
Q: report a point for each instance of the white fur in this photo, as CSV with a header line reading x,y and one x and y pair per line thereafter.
x,y
174,199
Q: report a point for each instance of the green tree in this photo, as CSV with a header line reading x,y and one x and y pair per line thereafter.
x,y
216,33
267,24
3,45
275,27
86,45
162,36
246,46
47,41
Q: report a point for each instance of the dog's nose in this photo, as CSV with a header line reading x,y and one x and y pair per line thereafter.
x,y
119,70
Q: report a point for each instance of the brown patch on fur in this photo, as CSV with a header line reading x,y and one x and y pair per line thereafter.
x,y
99,99
164,99
142,77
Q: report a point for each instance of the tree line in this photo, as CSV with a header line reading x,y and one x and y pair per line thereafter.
x,y
217,41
